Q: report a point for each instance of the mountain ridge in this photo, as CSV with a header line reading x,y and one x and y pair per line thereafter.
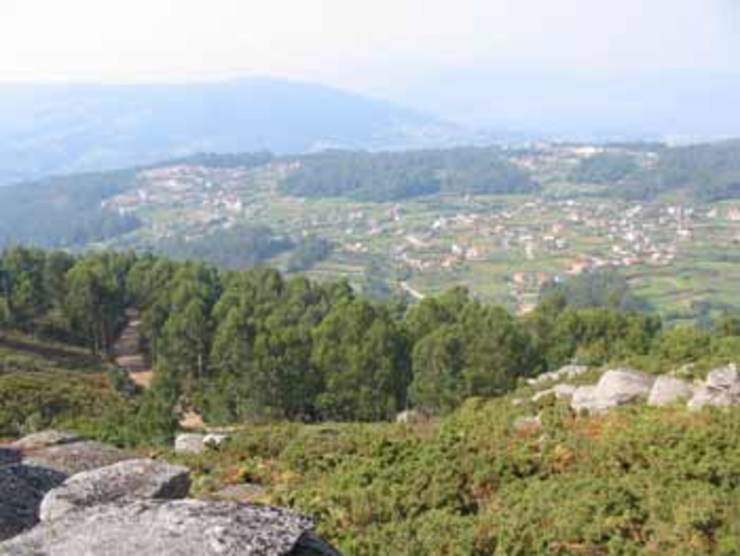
x,y
72,128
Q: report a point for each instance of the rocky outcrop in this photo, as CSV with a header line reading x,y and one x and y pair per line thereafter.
x,y
37,463
615,387
129,508
140,478
22,488
669,390
173,527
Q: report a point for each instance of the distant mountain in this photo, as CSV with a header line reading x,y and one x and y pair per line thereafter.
x,y
55,129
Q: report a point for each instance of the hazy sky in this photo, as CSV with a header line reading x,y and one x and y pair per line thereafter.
x,y
369,44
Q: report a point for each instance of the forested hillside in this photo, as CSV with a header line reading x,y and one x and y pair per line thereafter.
x,y
391,176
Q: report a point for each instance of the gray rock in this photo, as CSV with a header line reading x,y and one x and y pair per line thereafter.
x,y
668,390
564,391
584,399
22,488
171,528
721,389
9,456
725,378
706,396
616,387
75,457
564,373
216,440
140,478
45,439
190,443
560,391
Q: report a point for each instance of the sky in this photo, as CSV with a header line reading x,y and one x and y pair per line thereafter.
x,y
364,45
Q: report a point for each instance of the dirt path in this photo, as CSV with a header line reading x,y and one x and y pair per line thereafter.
x,y
128,356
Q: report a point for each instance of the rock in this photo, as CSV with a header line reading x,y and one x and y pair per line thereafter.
x,y
190,443
172,527
721,389
584,399
559,391
668,390
564,373
22,487
75,457
412,417
564,391
9,456
706,396
616,387
215,440
139,478
45,439
725,378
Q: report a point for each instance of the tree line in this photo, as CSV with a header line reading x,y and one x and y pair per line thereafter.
x,y
242,345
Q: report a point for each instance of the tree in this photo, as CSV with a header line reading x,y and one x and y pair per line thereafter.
x,y
363,359
438,365
5,316
94,302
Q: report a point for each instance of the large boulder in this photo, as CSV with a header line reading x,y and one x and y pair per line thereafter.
x,y
170,528
22,489
75,457
615,387
668,390
45,439
140,478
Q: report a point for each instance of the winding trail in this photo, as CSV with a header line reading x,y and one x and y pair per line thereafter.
x,y
130,357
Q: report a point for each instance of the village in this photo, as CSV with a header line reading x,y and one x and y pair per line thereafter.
x,y
523,243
